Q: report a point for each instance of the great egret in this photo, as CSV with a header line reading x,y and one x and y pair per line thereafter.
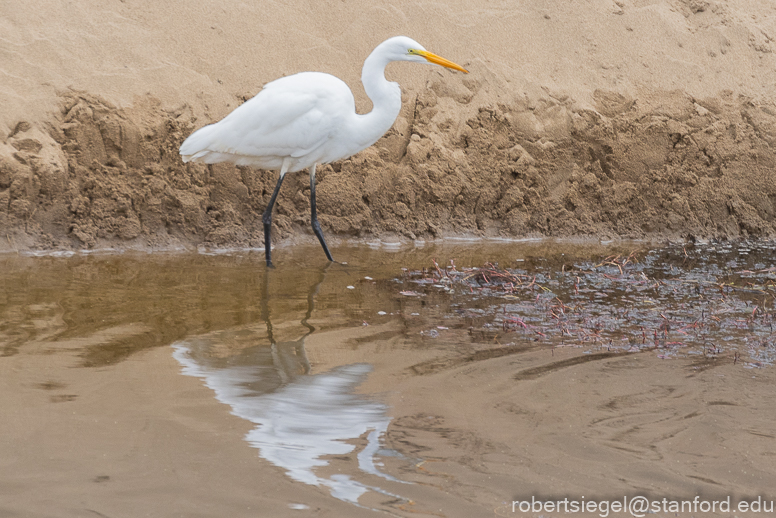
x,y
309,118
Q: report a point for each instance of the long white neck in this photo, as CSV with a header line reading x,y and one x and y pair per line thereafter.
x,y
386,101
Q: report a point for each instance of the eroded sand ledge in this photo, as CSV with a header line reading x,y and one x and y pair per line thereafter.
x,y
679,151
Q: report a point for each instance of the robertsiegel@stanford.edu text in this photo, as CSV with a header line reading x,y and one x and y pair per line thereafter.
x,y
640,506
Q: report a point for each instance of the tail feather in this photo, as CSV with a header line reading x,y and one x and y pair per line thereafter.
x,y
198,144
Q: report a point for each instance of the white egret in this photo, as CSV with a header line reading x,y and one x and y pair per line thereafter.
x,y
310,118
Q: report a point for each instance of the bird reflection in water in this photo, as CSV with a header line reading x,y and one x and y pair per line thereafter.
x,y
301,418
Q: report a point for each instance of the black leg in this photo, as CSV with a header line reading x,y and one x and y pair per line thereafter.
x,y
314,216
267,219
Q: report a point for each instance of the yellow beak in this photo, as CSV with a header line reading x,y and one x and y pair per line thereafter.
x,y
438,60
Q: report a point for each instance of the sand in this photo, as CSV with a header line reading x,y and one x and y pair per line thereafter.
x,y
632,118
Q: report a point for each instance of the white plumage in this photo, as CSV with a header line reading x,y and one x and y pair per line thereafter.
x,y
309,118
299,117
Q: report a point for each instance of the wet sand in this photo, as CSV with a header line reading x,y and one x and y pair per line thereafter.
x,y
195,385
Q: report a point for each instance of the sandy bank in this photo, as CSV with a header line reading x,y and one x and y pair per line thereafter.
x,y
624,119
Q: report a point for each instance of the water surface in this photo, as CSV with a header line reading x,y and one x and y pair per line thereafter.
x,y
445,380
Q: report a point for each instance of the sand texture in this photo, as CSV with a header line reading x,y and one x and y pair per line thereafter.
x,y
631,118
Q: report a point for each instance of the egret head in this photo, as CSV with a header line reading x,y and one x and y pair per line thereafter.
x,y
402,48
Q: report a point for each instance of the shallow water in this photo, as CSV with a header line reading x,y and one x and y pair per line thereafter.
x,y
417,381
